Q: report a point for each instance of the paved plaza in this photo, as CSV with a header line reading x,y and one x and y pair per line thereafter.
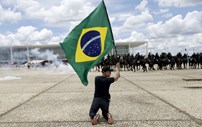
x,y
52,98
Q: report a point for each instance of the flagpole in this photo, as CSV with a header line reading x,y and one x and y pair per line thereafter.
x,y
111,29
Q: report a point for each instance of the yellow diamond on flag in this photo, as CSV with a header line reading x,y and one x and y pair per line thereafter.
x,y
90,44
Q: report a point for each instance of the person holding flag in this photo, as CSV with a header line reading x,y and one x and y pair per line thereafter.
x,y
89,42
84,47
102,96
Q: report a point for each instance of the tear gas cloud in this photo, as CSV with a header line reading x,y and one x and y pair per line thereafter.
x,y
53,64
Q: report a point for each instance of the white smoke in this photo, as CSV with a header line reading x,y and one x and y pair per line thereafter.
x,y
53,64
51,61
9,78
45,55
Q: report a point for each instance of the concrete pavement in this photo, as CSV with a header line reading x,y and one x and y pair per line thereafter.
x,y
44,98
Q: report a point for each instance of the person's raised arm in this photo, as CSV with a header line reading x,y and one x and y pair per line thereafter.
x,y
117,72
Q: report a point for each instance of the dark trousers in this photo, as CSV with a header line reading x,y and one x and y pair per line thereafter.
x,y
96,105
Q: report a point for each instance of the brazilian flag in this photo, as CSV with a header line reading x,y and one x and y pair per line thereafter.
x,y
89,42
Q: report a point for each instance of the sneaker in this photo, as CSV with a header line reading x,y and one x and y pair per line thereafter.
x,y
95,119
110,120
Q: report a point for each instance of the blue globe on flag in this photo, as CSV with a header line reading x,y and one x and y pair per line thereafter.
x,y
91,43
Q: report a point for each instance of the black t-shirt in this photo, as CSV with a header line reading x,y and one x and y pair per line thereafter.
x,y
102,85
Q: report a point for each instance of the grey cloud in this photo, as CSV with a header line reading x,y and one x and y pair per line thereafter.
x,y
8,15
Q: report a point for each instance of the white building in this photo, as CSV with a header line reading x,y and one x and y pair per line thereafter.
x,y
23,53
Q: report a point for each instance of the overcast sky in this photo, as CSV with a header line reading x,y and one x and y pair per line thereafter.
x,y
167,25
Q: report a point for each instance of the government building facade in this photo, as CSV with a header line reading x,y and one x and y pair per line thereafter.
x,y
23,53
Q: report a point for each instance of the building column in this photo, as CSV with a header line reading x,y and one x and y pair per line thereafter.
x,y
146,49
28,54
129,49
11,53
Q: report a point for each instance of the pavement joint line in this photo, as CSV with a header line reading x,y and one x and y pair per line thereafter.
x,y
68,92
196,120
3,114
147,120
180,75
19,93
